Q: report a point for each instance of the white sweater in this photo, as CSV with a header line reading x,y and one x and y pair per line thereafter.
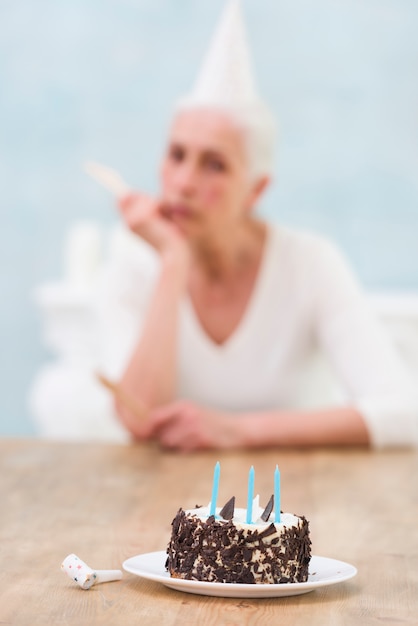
x,y
306,303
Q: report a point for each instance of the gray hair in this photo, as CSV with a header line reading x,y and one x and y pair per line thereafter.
x,y
258,125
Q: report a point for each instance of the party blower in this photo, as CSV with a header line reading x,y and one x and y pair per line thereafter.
x,y
85,576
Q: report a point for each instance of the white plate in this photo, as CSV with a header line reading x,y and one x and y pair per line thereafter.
x,y
322,572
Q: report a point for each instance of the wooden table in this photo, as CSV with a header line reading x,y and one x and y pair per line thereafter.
x,y
109,502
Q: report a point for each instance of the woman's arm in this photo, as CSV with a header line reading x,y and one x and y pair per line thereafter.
x,y
150,375
376,381
183,425
328,427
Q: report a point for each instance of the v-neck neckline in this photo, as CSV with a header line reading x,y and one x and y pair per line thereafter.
x,y
250,312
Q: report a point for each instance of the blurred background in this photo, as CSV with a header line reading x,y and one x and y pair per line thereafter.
x,y
96,79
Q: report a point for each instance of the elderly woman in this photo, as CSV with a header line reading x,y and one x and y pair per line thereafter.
x,y
225,328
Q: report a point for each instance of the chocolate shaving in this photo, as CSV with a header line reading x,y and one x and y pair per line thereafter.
x,y
227,512
270,530
266,513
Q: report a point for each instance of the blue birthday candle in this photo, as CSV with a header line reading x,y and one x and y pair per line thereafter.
x,y
277,495
250,495
215,488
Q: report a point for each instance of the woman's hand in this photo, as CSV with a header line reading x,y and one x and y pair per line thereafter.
x,y
185,426
143,214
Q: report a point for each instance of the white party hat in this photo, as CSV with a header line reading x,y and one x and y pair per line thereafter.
x,y
226,81
226,77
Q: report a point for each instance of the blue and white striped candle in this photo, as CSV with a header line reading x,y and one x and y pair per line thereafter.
x,y
277,495
215,488
250,495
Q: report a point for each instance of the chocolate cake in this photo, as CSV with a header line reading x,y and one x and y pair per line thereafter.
x,y
226,549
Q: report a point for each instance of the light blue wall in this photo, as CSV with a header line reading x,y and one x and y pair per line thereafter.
x,y
95,79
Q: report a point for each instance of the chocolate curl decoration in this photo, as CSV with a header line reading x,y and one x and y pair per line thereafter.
x,y
267,511
227,512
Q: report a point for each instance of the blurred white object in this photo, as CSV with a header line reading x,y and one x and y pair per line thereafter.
x,y
68,321
85,576
82,253
67,403
399,312
65,399
108,177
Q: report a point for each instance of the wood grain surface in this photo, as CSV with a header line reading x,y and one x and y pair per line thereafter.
x,y
108,502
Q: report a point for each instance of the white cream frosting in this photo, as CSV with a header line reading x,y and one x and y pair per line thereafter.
x,y
287,520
